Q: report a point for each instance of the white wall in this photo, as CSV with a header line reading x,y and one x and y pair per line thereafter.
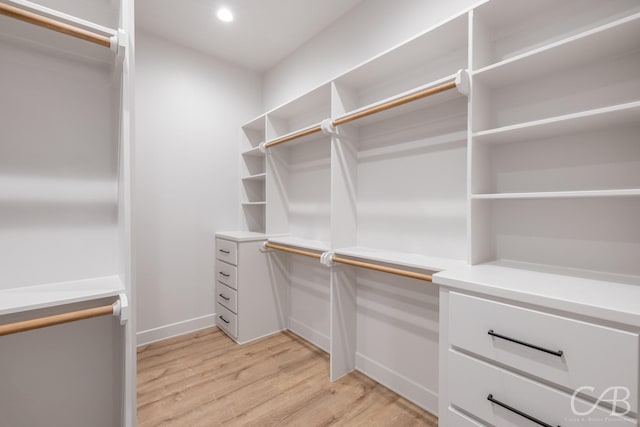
x,y
189,109
367,30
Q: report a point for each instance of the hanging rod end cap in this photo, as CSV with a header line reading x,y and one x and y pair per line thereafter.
x,y
121,308
462,82
263,149
327,127
263,247
327,258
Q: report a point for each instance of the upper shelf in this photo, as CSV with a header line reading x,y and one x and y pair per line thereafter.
x,y
617,115
439,51
253,152
422,262
16,300
55,31
631,192
617,37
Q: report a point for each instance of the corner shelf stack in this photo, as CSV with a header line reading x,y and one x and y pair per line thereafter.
x,y
253,176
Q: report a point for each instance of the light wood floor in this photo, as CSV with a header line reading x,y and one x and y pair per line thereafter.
x,y
205,379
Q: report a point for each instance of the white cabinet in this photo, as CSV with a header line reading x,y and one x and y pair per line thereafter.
x,y
250,305
524,339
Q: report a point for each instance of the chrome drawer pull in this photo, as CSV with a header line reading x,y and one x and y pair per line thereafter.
x,y
558,353
224,251
226,298
224,274
515,411
224,320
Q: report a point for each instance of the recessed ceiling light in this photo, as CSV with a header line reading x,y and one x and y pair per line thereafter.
x,y
224,14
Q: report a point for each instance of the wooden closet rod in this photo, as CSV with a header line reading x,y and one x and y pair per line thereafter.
x,y
52,24
291,250
58,319
293,136
395,103
397,271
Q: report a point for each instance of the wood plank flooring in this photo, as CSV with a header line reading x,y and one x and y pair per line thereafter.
x,y
205,379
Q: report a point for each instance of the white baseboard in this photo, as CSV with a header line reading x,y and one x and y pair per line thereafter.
x,y
314,337
175,329
416,393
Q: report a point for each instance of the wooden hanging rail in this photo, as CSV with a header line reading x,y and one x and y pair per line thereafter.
x,y
397,271
52,24
58,319
293,136
396,103
291,250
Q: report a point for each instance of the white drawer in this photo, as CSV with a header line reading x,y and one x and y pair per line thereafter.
x,y
226,320
227,274
592,355
227,297
227,251
471,382
455,419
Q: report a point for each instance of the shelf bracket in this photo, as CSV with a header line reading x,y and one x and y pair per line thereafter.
x,y
327,258
462,82
328,128
121,308
263,148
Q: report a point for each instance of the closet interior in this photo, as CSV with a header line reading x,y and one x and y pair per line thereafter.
x,y
493,155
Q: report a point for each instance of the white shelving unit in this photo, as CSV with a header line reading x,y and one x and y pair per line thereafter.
x,y
253,172
525,188
66,225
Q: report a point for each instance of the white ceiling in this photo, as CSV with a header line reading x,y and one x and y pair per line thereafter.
x,y
262,33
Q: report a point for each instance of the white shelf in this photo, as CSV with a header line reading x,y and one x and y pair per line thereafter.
x,y
402,259
256,124
559,194
584,121
297,242
254,204
253,152
607,40
53,41
16,300
612,298
418,105
256,177
241,236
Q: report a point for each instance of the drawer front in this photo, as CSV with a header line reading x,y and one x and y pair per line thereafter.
x,y
227,297
227,274
227,251
226,320
594,358
455,419
471,382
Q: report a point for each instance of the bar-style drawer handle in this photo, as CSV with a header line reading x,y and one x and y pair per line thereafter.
x,y
224,251
516,411
222,273
224,320
558,353
224,297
